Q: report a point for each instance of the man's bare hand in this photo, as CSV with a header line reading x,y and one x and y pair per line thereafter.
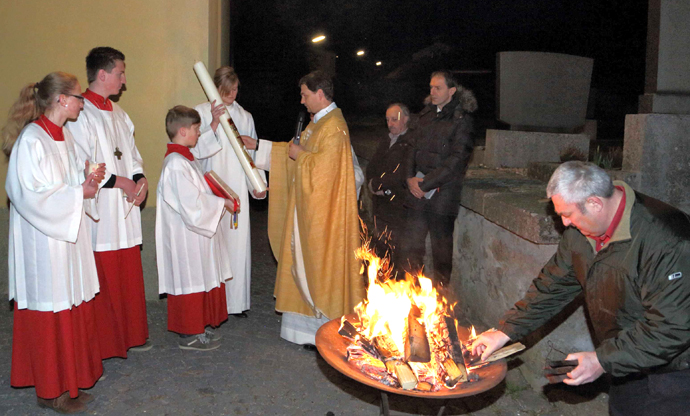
x,y
295,150
128,187
413,186
216,112
380,193
249,143
142,189
259,195
587,371
488,342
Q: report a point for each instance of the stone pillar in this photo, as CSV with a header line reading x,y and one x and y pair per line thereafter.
x,y
657,140
667,84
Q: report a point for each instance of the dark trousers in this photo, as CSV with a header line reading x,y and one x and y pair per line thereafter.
x,y
656,394
440,227
386,241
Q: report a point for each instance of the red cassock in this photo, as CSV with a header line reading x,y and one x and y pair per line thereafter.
x,y
190,314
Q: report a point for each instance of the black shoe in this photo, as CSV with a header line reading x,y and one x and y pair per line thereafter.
x,y
309,347
240,315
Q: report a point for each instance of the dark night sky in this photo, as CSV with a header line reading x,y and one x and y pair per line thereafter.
x,y
271,39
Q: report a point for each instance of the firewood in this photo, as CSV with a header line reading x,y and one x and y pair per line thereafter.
x,y
349,331
416,342
393,359
423,386
498,354
455,348
454,372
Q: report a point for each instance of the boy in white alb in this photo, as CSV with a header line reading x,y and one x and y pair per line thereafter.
x,y
104,133
216,153
191,251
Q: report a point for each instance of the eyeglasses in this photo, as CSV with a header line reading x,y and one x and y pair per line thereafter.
x,y
78,97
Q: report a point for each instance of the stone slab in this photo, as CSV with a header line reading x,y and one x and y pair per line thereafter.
x,y
514,202
664,103
515,149
543,89
657,146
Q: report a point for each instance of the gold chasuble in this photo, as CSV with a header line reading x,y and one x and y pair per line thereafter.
x,y
320,185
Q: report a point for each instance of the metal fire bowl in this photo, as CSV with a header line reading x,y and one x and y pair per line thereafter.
x,y
333,348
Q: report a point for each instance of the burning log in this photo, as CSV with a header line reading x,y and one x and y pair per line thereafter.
x,y
454,374
372,367
416,342
393,360
349,331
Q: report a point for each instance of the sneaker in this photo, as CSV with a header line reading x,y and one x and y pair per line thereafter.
x,y
144,347
199,343
212,334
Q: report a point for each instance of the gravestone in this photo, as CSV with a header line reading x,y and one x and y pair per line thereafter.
x,y
543,97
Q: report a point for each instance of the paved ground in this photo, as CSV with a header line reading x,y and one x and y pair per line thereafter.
x,y
256,373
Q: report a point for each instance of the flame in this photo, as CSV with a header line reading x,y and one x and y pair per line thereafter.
x,y
387,309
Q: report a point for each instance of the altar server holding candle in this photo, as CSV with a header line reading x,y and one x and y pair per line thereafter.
x,y
52,273
191,251
215,153
104,131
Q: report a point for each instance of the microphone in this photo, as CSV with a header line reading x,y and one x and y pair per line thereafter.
x,y
298,128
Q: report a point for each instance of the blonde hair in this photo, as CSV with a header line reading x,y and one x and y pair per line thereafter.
x,y
224,78
34,99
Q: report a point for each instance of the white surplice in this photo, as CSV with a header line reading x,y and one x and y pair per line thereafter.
x,y
51,263
215,152
98,135
191,250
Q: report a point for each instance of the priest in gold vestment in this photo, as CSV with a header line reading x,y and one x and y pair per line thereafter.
x,y
313,226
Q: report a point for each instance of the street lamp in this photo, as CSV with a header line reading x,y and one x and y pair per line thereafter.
x,y
378,63
318,39
360,53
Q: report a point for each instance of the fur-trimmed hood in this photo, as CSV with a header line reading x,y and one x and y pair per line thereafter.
x,y
466,98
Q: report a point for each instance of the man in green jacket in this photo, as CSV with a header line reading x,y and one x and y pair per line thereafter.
x,y
630,256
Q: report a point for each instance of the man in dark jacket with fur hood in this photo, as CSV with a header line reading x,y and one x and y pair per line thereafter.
x,y
629,255
435,164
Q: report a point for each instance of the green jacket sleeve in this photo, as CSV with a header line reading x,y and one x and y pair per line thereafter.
x,y
554,288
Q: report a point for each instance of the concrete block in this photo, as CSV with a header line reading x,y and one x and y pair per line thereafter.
x,y
515,149
511,201
657,146
541,89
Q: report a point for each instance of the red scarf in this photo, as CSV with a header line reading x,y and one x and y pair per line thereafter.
x,y
101,103
51,128
603,239
178,148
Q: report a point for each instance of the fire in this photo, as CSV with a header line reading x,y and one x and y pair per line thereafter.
x,y
406,324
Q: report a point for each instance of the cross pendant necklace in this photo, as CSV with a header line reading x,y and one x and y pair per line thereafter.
x,y
118,153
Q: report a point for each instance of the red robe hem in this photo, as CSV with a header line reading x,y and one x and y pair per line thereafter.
x,y
121,303
191,314
56,351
